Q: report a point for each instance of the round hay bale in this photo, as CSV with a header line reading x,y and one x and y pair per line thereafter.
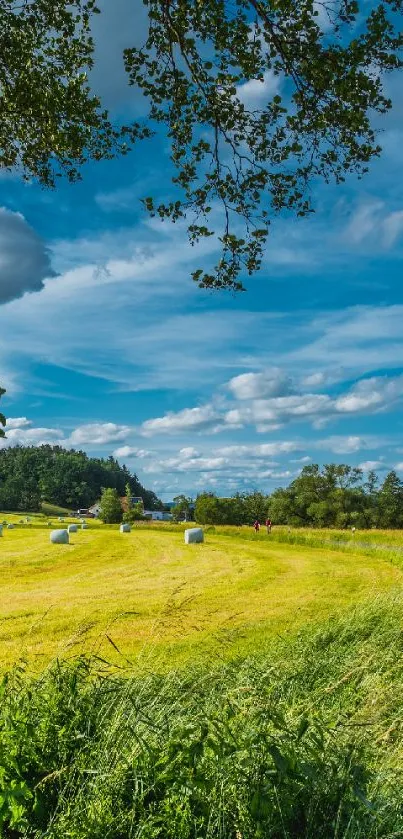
x,y
59,537
10,527
194,535
84,526
125,528
72,528
1,529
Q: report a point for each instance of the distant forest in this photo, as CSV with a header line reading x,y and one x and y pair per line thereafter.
x,y
30,475
337,495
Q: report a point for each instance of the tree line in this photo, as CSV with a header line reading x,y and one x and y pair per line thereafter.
x,y
30,475
336,495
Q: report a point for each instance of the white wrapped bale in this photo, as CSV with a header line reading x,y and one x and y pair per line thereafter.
x,y
10,527
1,529
194,535
72,528
84,526
59,537
125,528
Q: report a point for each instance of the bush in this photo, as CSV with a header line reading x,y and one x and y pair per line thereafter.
x,y
111,507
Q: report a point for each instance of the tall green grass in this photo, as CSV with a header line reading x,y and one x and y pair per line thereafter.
x,y
386,545
303,741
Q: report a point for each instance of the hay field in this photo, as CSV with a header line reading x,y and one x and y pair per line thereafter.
x,y
163,603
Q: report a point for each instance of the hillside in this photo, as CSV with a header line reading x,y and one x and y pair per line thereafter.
x,y
30,475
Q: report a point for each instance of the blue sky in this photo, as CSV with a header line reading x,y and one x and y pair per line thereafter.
x,y
113,350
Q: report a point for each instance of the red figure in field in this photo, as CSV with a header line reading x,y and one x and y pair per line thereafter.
x,y
256,525
268,525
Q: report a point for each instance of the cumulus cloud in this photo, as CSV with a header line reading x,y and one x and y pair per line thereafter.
x,y
18,422
260,449
370,465
378,393
204,418
259,385
342,445
314,380
98,433
31,436
130,451
368,396
24,259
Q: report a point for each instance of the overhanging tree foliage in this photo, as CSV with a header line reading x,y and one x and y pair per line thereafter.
x,y
50,121
256,160
237,164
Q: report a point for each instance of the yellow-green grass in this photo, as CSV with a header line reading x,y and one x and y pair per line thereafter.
x,y
162,602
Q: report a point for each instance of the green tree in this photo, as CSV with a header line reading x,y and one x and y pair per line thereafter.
x,y
2,417
371,498
207,509
182,509
135,513
256,506
111,507
68,478
390,502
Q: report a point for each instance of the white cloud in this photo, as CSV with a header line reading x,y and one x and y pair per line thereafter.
x,y
260,449
188,452
393,228
368,396
131,451
359,339
17,422
204,418
259,385
371,465
257,93
98,433
314,380
373,223
31,437
342,445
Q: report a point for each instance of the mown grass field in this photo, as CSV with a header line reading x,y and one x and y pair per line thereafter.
x,y
247,688
163,603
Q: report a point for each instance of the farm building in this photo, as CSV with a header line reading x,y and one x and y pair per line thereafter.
x,y
95,509
158,515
